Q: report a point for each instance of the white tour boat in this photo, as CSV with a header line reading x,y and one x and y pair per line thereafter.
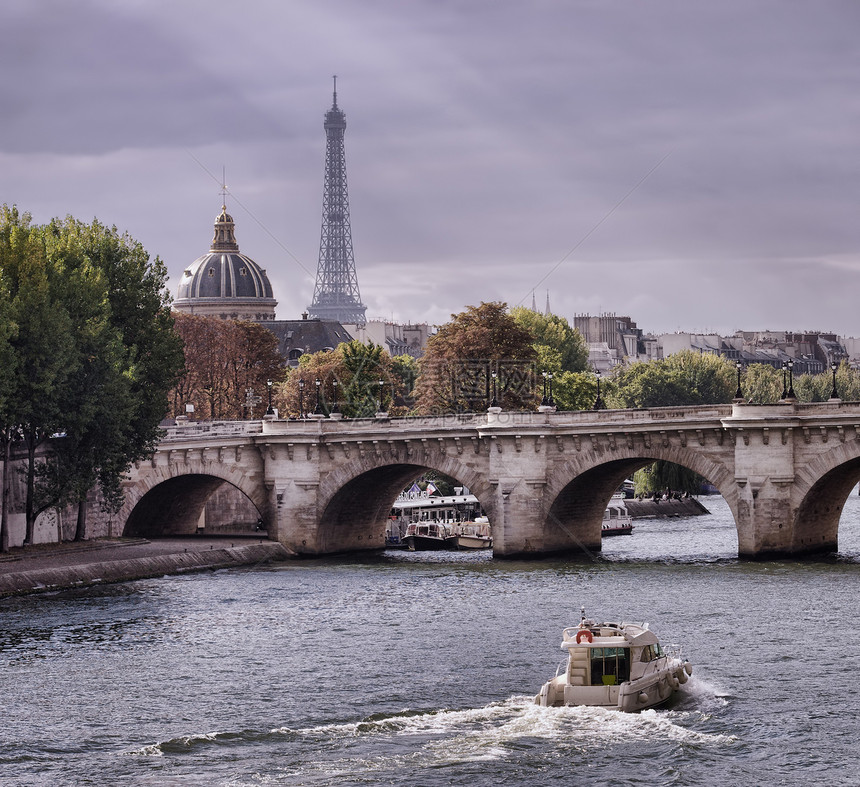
x,y
474,534
614,665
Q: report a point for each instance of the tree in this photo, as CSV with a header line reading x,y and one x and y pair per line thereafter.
x,y
685,378
95,355
406,369
128,379
459,360
761,383
224,359
559,347
349,376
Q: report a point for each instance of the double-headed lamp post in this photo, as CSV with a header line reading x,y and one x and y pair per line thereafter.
x,y
301,398
833,367
550,400
269,384
784,386
544,401
738,392
381,383
790,395
494,402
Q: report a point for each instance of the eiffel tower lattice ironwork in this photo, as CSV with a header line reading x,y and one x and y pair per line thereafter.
x,y
336,295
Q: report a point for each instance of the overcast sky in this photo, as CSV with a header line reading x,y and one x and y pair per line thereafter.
x,y
694,165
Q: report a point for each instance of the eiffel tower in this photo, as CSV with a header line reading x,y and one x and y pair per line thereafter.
x,y
336,295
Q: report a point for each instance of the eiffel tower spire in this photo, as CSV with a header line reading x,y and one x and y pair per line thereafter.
x,y
336,295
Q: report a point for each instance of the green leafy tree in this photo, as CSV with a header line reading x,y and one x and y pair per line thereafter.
x,y
685,378
761,383
575,390
95,355
349,375
459,360
662,476
559,347
406,369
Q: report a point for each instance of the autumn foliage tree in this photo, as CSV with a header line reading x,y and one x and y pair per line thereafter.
x,y
459,361
224,360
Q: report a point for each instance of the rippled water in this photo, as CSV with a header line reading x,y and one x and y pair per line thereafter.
x,y
419,669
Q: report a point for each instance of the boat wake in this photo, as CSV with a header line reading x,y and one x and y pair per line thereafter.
x,y
497,731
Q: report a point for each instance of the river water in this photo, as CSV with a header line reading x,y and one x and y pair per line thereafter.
x,y
419,669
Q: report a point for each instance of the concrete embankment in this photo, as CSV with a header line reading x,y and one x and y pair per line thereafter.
x,y
41,572
661,509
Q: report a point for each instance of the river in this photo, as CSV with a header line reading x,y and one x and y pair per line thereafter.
x,y
419,669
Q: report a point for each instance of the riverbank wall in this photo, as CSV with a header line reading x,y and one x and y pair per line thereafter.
x,y
78,570
663,509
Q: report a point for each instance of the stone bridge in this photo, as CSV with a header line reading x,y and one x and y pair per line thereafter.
x,y
327,486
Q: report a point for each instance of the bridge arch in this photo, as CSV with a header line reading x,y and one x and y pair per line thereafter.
x,y
820,492
581,488
161,504
356,499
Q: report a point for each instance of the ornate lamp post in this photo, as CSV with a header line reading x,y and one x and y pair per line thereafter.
x,y
790,381
598,402
334,408
833,367
301,398
381,383
544,401
784,389
549,400
318,408
269,410
495,402
738,392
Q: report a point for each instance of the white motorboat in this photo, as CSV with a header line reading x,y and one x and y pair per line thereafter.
x,y
614,665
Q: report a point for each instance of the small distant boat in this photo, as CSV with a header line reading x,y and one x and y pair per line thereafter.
x,y
616,520
614,665
474,534
429,536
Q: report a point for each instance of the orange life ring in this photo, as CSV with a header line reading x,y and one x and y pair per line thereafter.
x,y
584,634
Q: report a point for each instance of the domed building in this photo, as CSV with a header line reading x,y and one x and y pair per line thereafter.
x,y
225,283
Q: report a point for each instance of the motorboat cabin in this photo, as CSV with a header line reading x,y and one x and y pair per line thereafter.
x,y
614,665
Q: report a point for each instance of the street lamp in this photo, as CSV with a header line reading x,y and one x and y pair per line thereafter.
x,y
381,383
550,401
543,401
784,389
790,381
269,410
598,402
334,408
738,393
301,398
318,409
495,402
833,367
